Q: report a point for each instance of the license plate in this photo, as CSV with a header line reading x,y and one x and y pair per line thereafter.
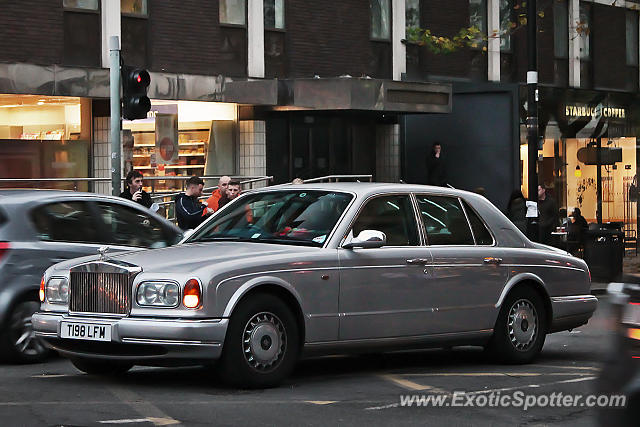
x,y
631,314
85,331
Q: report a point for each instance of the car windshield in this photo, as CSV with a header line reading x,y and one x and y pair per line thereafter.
x,y
288,217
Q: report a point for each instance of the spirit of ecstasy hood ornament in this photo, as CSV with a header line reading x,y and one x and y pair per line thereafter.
x,y
103,252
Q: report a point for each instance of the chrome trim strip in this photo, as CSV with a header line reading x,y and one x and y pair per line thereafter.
x,y
392,339
545,266
46,334
418,310
169,342
575,298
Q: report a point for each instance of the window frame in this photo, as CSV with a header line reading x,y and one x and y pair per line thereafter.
x,y
284,18
390,17
509,48
365,202
231,25
464,204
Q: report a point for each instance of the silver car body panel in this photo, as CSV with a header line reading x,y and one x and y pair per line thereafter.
x,y
356,298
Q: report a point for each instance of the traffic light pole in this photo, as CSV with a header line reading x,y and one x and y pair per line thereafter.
x,y
114,84
532,114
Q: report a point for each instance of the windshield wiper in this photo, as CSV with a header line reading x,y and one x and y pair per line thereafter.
x,y
223,239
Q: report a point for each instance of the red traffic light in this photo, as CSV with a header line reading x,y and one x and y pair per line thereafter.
x,y
135,103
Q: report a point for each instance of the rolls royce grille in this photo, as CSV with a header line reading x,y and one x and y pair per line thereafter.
x,y
100,293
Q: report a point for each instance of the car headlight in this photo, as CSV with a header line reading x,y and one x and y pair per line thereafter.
x,y
158,294
57,290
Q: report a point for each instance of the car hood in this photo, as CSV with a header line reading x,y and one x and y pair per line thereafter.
x,y
191,257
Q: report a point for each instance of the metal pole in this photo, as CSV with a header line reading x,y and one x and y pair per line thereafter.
x,y
532,111
114,64
599,181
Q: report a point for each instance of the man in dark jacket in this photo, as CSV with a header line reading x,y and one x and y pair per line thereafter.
x,y
190,212
548,214
134,191
436,170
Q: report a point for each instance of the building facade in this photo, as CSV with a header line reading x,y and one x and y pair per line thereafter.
x,y
306,89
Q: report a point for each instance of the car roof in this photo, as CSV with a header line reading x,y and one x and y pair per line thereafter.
x,y
18,196
365,189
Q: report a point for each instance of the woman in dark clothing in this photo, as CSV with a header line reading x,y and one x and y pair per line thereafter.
x,y
517,210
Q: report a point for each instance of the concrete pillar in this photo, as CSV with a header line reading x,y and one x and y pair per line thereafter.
x,y
252,149
110,16
574,43
255,38
101,148
493,41
398,31
387,153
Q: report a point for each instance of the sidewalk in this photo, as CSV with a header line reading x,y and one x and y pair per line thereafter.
x,y
630,273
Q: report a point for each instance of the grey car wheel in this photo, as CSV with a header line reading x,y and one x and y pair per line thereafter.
x,y
19,342
520,330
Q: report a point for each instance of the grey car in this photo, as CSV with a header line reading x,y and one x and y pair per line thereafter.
x,y
291,271
39,228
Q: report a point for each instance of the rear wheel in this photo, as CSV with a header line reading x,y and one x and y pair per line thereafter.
x,y
18,343
262,343
100,367
521,327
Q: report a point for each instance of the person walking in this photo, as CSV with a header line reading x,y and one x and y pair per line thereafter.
x,y
436,169
517,210
548,215
190,212
133,190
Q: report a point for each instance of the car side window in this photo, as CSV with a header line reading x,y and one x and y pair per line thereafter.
x,y
480,231
131,227
65,222
444,220
393,215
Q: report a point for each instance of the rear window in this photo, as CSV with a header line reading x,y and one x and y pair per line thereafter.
x,y
70,221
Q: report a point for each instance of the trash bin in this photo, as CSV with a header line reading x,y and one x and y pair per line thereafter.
x,y
603,253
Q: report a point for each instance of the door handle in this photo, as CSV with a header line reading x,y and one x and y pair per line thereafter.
x,y
492,260
419,261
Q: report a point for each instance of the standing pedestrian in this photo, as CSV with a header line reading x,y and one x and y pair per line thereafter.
x,y
133,189
548,215
212,201
517,210
190,212
436,169
233,190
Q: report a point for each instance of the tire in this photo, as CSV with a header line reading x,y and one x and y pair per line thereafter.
x,y
100,367
520,329
269,352
18,343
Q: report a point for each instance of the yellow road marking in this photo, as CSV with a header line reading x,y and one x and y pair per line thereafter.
x,y
494,374
410,385
591,368
321,402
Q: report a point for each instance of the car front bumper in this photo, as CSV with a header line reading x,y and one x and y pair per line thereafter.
x,y
143,340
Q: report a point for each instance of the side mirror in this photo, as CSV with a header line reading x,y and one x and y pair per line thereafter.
x,y
366,239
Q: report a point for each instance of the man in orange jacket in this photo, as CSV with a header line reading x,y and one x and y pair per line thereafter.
x,y
212,201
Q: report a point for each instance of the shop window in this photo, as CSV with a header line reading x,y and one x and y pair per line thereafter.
x,y
380,19
507,24
133,7
274,14
233,12
80,4
412,13
82,42
444,221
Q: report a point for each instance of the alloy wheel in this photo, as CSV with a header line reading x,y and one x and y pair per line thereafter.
x,y
21,332
522,324
264,341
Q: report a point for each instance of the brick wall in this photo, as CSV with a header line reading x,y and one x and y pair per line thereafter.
x,y
329,38
31,31
609,47
187,38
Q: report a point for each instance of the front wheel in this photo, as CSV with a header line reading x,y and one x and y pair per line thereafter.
x,y
262,343
18,342
521,327
100,367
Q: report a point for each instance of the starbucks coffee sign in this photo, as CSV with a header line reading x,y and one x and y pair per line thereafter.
x,y
598,111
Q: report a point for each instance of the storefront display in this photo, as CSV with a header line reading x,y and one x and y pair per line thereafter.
x,y
198,142
45,137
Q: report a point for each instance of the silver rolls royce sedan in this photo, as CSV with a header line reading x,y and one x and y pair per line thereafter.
x,y
289,271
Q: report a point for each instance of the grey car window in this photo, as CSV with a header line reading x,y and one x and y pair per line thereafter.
x,y
444,221
393,215
480,231
131,227
65,222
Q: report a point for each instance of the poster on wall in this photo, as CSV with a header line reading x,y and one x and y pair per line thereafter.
x,y
166,139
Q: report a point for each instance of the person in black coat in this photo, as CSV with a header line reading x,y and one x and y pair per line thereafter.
x,y
575,230
134,191
436,169
517,210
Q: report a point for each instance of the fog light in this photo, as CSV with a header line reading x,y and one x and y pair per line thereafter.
x,y
41,292
192,294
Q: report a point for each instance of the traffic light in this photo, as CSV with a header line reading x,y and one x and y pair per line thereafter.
x,y
135,103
